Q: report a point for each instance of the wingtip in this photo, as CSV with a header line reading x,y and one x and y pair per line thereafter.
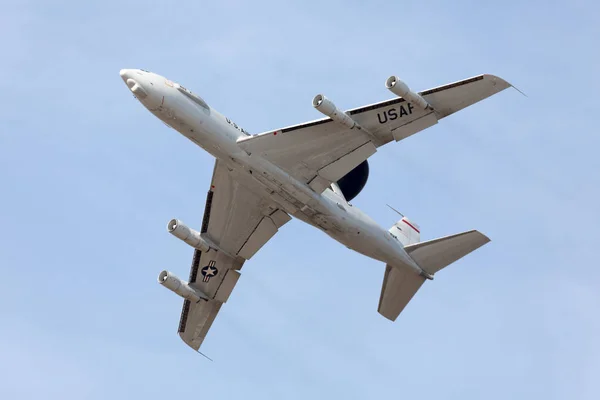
x,y
505,82
484,237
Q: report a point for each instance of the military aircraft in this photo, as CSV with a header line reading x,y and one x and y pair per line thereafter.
x,y
310,171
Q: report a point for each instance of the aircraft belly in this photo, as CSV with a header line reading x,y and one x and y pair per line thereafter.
x,y
335,219
339,220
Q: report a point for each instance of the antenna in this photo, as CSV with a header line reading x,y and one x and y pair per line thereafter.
x,y
204,355
518,90
398,212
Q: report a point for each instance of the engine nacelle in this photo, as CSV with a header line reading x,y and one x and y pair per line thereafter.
x,y
188,235
182,288
399,88
325,106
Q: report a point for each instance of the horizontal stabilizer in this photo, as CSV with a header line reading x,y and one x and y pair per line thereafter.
x,y
399,287
433,255
401,284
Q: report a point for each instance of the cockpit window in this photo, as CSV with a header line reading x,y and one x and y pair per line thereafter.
x,y
194,97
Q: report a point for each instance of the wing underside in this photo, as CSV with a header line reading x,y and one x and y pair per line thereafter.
x,y
239,222
321,152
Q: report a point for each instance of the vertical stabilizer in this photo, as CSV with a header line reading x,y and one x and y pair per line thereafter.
x,y
406,231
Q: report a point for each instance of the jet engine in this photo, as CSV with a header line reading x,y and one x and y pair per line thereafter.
x,y
399,88
326,106
354,181
188,235
182,288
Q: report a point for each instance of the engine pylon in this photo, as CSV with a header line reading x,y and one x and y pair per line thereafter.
x,y
181,287
192,237
401,89
326,106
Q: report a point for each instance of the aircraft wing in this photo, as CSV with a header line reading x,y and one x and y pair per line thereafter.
x,y
239,222
323,151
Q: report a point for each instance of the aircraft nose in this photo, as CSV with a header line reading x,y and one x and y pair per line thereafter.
x,y
125,73
133,84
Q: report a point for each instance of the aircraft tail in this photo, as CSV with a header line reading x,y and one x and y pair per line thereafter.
x,y
401,284
406,231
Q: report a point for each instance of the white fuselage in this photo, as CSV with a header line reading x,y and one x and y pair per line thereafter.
x,y
328,211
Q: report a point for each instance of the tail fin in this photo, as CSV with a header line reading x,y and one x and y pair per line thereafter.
x,y
400,284
406,231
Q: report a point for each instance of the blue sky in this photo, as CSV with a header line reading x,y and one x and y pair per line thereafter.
x,y
89,180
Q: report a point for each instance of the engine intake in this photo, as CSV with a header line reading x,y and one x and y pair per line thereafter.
x,y
399,88
188,235
326,106
181,287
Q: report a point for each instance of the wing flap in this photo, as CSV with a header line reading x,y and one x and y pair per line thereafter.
x,y
261,235
227,284
339,168
280,218
414,126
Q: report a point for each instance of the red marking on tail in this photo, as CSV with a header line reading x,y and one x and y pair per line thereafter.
x,y
411,225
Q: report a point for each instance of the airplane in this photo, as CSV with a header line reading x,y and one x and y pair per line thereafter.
x,y
310,171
